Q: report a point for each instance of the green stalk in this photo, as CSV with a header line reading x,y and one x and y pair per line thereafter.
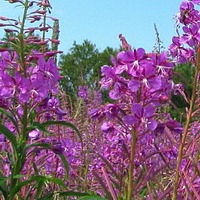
x,y
186,127
21,37
44,31
131,186
24,16
19,161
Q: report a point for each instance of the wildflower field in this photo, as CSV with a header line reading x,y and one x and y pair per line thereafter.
x,y
128,130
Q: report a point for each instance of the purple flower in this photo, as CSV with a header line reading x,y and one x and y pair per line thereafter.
x,y
147,79
195,1
57,148
44,77
131,57
107,127
53,103
83,92
182,54
109,111
108,74
34,134
117,91
188,14
174,125
191,35
142,116
162,63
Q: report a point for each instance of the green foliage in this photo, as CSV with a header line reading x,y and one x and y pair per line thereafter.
x,y
42,126
39,180
59,195
81,66
12,41
92,198
183,74
9,135
11,185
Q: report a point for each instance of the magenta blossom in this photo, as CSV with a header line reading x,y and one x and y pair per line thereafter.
x,y
142,116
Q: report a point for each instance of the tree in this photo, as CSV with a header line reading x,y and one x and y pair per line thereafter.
x,y
81,66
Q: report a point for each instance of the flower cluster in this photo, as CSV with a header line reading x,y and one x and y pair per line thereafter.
x,y
140,86
140,83
185,49
29,87
184,46
39,81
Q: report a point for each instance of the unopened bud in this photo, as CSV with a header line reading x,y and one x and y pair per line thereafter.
x,y
14,1
1,25
55,41
52,53
4,49
42,12
30,4
163,99
10,30
4,18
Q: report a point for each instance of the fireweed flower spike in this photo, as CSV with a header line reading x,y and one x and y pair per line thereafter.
x,y
185,49
139,83
125,44
29,81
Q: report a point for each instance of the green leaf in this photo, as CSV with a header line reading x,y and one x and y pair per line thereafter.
x,y
10,117
17,176
4,192
44,125
49,147
63,123
65,163
9,135
38,179
37,125
43,145
18,187
35,168
39,189
63,194
3,189
54,180
92,198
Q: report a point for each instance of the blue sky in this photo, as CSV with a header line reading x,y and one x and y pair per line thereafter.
x,y
101,21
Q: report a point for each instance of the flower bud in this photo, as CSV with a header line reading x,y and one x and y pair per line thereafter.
x,y
14,1
57,148
31,4
163,99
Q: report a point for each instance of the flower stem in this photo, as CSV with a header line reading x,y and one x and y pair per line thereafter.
x,y
130,188
186,128
21,38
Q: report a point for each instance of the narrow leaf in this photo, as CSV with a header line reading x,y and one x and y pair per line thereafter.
x,y
65,163
9,135
92,198
43,145
10,117
63,194
63,123
38,179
